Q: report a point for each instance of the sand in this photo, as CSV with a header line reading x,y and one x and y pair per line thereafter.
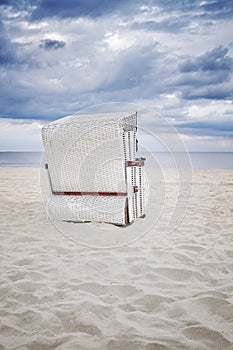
x,y
172,288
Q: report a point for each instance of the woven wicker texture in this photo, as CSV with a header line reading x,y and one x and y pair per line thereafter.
x,y
88,208
88,153
136,200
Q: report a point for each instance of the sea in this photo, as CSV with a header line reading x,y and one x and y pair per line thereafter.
x,y
198,160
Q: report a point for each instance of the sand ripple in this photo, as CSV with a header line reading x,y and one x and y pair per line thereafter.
x,y
165,291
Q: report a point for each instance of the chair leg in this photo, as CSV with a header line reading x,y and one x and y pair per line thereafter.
x,y
127,222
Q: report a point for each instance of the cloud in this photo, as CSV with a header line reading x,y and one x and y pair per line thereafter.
x,y
206,76
217,9
200,143
20,135
132,67
7,51
206,9
178,16
74,8
171,24
49,44
218,92
168,55
15,9
17,4
207,128
212,60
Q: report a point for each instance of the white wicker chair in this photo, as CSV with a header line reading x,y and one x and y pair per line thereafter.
x,y
93,172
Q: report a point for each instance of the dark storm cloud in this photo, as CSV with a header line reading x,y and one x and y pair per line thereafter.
x,y
13,3
182,13
39,9
173,24
74,8
205,128
206,76
133,68
212,9
209,93
10,52
17,8
50,44
213,60
217,9
96,8
200,79
7,51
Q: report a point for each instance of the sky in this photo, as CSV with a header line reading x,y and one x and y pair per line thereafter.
x,y
58,57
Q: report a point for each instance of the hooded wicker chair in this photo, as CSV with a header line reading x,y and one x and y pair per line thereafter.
x,y
92,169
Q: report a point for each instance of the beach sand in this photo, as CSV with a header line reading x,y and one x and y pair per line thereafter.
x,y
172,288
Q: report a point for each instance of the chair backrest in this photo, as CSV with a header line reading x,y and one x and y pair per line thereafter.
x,y
88,153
